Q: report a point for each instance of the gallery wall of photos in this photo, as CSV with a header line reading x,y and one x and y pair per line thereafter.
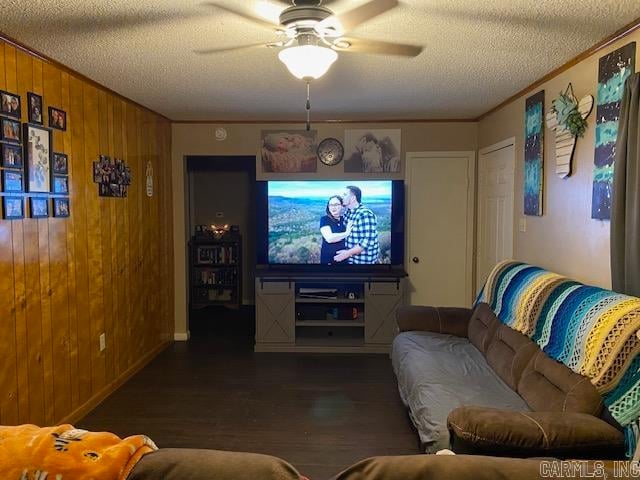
x,y
35,178
65,281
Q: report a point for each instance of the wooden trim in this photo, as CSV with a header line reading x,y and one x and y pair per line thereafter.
x,y
618,35
75,73
298,121
498,146
80,412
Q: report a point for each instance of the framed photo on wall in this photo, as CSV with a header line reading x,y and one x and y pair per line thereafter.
x,y
10,130
61,184
37,152
39,207
60,207
60,164
11,156
57,118
9,104
34,102
12,208
12,181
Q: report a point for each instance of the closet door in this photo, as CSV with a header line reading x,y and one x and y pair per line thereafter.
x,y
439,258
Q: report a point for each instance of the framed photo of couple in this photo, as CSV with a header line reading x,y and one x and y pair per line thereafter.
x,y
9,104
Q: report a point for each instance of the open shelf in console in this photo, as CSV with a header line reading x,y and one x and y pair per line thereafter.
x,y
341,313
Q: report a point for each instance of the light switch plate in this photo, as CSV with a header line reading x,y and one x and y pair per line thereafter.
x,y
523,224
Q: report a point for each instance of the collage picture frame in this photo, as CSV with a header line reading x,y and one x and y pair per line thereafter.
x,y
38,155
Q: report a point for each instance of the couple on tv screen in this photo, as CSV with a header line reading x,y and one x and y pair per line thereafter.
x,y
330,223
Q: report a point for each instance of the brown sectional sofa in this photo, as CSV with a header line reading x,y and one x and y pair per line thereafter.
x,y
562,415
193,464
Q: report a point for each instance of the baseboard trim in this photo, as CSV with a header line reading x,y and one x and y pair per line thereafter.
x,y
99,397
181,337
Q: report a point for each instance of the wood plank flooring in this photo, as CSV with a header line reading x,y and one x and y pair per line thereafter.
x,y
320,412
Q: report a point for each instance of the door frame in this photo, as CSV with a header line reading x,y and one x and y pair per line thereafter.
x,y
411,159
507,142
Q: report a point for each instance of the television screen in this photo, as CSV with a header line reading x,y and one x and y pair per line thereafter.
x,y
333,222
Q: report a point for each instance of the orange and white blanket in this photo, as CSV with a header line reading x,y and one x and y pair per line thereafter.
x,y
28,452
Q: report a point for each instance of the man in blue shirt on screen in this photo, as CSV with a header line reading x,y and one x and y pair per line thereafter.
x,y
362,246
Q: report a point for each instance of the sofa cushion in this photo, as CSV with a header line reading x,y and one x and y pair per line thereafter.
x,y
547,385
194,464
482,326
437,373
509,353
493,431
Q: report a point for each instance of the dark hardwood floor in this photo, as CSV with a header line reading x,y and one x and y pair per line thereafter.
x,y
320,412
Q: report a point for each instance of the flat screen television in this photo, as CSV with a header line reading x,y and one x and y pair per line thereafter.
x,y
323,225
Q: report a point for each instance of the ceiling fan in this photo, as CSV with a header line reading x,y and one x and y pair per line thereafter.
x,y
310,22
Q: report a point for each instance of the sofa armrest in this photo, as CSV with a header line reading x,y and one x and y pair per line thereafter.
x,y
454,321
481,430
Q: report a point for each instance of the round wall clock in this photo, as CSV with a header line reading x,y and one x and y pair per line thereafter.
x,y
330,151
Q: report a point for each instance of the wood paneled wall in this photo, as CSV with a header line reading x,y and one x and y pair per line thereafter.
x,y
107,268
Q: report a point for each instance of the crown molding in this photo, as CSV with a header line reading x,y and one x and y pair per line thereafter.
x,y
614,37
349,121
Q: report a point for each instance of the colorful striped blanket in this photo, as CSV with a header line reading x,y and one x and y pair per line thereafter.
x,y
593,331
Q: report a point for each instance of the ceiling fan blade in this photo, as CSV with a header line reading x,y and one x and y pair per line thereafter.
x,y
209,51
359,45
244,14
352,18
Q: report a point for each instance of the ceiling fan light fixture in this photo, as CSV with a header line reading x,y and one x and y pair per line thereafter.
x,y
308,62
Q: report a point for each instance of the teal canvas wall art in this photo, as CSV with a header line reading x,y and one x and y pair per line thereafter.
x,y
533,154
613,71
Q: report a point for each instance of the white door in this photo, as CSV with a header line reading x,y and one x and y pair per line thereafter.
x,y
440,195
496,166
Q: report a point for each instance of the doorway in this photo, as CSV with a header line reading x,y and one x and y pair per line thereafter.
x,y
496,171
440,193
222,190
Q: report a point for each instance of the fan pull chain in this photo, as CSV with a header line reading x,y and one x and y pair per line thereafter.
x,y
308,109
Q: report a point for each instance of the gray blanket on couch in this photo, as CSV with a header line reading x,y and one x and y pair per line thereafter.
x,y
437,373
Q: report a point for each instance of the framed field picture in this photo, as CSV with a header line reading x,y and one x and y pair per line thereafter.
x,y
12,208
39,207
37,154
61,184
12,181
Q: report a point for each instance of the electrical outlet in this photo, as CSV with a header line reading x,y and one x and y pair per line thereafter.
x,y
103,342
523,224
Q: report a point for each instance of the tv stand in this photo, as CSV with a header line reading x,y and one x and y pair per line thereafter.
x,y
343,312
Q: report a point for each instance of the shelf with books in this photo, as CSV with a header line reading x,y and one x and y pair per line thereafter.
x,y
216,271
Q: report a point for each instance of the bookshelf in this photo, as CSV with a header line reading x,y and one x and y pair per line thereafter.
x,y
215,270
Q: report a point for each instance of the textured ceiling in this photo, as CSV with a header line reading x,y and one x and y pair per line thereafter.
x,y
478,53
